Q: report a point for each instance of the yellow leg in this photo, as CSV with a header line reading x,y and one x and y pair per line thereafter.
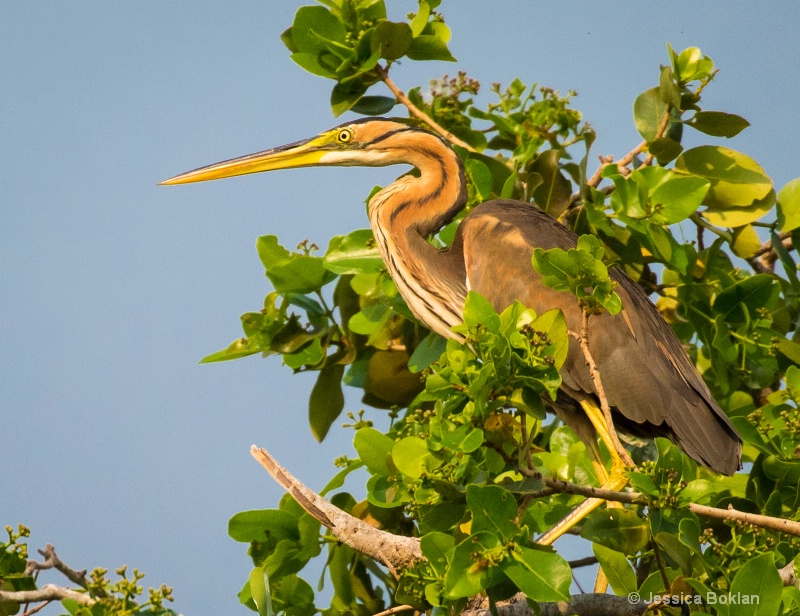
x,y
616,480
601,582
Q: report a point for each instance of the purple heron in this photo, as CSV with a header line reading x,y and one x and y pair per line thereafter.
x,y
651,385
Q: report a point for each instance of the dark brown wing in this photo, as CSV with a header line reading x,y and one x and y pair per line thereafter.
x,y
649,380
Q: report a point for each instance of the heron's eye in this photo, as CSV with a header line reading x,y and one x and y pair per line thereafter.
x,y
345,136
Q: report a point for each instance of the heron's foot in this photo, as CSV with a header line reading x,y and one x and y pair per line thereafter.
x,y
617,480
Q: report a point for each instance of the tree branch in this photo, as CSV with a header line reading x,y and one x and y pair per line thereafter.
x,y
417,112
763,261
789,527
396,551
586,604
52,561
48,592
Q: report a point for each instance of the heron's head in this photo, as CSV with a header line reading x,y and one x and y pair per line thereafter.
x,y
372,142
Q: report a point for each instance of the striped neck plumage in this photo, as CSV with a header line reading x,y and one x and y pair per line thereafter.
x,y
405,214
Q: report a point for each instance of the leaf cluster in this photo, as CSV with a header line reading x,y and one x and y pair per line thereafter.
x,y
122,597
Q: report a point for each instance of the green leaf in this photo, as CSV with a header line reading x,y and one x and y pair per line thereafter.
x,y
553,195
736,217
493,509
481,177
310,19
464,439
310,355
678,198
420,20
429,47
664,149
718,123
668,89
238,348
291,272
745,241
689,533
736,179
326,401
554,323
354,253
369,320
310,62
470,572
412,457
617,568
257,525
393,39
691,64
758,578
540,575
790,349
753,292
259,590
435,547
427,352
618,529
789,206
648,112
345,96
375,450
478,311
374,105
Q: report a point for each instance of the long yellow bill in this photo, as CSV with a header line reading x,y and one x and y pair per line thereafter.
x,y
299,154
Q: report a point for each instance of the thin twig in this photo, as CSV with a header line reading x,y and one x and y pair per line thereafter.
x,y
622,163
583,339
763,261
36,609
417,112
587,561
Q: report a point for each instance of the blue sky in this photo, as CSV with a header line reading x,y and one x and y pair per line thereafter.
x,y
116,446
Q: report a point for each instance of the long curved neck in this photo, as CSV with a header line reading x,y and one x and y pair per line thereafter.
x,y
405,214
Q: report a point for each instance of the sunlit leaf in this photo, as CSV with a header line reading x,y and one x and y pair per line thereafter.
x,y
789,205
745,242
354,253
259,590
736,179
429,47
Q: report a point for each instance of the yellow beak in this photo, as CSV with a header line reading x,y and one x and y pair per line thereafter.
x,y
299,154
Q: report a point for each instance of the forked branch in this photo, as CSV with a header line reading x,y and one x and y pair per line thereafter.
x,y
396,551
